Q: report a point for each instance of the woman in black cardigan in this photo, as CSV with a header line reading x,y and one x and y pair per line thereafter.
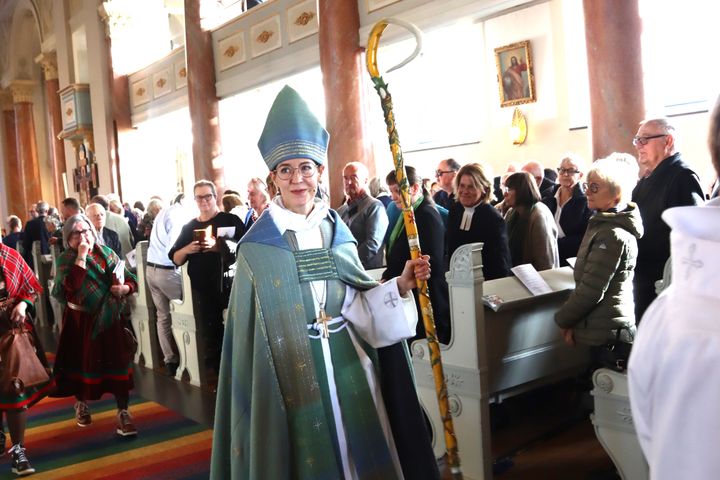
x,y
574,214
431,231
473,219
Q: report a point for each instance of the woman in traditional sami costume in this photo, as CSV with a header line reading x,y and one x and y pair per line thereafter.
x,y
93,356
299,393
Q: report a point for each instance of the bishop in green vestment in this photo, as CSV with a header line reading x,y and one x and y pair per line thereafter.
x,y
302,391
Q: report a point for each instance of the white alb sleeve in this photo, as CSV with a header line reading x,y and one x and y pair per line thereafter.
x,y
380,315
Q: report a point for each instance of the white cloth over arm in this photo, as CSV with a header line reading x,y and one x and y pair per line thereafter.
x,y
674,371
380,315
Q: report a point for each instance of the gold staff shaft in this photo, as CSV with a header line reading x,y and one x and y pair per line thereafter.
x,y
414,241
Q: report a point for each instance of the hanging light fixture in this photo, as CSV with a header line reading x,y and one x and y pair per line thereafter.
x,y
518,128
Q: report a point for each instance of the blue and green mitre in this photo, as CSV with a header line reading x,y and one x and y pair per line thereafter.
x,y
292,131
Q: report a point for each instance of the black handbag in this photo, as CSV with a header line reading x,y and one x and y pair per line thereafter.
x,y
616,354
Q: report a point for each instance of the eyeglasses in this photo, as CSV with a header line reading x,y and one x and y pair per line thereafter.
x,y
286,172
567,171
593,187
204,198
440,173
77,233
644,140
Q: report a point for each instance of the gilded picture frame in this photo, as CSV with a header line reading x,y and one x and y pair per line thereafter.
x,y
515,76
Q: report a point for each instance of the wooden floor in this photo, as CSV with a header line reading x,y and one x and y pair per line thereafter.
x,y
547,434
544,434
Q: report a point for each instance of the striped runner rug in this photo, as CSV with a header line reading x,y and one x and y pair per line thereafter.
x,y
168,445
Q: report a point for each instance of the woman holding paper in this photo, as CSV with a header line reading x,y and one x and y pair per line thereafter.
x,y
600,310
95,350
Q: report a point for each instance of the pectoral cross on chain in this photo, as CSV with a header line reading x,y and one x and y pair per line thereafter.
x,y
322,320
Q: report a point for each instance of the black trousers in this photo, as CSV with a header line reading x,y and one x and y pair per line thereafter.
x,y
208,308
643,294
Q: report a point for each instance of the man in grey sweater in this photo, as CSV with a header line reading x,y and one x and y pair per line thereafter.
x,y
364,215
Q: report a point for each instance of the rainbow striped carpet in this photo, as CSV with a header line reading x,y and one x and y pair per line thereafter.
x,y
168,446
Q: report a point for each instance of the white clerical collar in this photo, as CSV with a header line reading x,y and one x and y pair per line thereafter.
x,y
287,220
466,220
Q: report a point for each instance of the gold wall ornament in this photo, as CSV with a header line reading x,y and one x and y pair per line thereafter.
x,y
161,82
304,18
518,127
140,92
182,73
230,51
265,36
69,112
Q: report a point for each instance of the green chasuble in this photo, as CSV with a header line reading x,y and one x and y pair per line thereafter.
x,y
273,417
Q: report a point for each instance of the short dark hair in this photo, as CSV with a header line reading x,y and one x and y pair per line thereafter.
x,y
205,183
413,178
550,174
14,221
527,193
452,164
71,202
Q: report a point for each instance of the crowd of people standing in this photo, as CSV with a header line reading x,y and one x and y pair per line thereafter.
x,y
602,219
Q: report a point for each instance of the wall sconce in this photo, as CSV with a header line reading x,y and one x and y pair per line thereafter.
x,y
518,129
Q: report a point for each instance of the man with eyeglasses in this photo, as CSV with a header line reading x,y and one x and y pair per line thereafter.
x,y
665,181
210,257
445,175
675,363
364,215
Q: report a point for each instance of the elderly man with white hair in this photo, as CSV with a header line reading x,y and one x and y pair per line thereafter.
x,y
364,215
98,215
665,181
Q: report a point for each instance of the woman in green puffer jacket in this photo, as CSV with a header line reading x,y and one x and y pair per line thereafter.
x,y
601,307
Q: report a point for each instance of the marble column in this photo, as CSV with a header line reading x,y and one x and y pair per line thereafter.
x,y
57,147
202,99
14,187
22,92
614,51
343,68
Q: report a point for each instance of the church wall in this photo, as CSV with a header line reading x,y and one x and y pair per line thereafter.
x,y
553,126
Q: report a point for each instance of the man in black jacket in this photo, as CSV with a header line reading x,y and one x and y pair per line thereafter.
x,y
35,230
665,181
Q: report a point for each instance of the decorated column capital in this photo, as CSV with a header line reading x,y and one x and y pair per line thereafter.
x,y
115,16
22,91
6,100
48,62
